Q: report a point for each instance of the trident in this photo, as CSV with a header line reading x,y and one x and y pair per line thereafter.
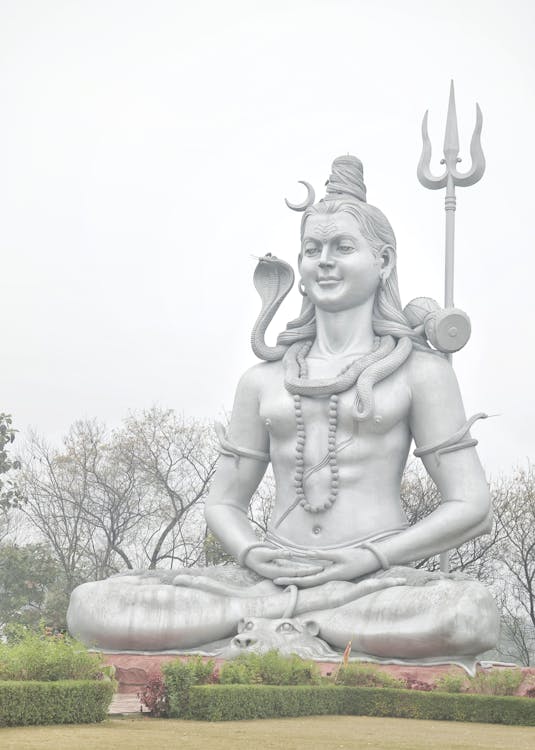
x,y
449,179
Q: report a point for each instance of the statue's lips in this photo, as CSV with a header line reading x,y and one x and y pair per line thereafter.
x,y
328,281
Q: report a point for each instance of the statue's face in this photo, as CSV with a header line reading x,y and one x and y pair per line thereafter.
x,y
338,266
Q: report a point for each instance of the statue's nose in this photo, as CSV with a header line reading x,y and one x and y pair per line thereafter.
x,y
326,260
243,641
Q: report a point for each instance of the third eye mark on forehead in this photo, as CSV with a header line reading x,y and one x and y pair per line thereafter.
x,y
325,230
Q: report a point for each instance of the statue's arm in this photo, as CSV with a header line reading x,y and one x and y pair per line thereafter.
x,y
237,478
437,413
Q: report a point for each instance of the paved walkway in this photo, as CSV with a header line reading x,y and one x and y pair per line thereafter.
x,y
125,703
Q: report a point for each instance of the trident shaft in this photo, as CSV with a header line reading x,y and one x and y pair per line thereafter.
x,y
451,177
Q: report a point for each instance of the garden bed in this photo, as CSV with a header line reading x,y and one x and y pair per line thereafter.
x,y
269,686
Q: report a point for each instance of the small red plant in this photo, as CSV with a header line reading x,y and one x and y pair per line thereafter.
x,y
154,695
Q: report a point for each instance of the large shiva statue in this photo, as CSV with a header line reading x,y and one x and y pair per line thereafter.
x,y
334,408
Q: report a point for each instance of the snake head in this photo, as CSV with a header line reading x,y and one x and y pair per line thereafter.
x,y
272,277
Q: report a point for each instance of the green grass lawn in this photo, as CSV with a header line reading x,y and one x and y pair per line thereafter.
x,y
310,733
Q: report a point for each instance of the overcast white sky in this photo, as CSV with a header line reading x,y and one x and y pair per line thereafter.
x,y
145,151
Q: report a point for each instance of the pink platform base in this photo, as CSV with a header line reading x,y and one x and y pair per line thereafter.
x,y
133,670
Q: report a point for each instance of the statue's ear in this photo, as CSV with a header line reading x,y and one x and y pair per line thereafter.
x,y
312,627
241,625
387,258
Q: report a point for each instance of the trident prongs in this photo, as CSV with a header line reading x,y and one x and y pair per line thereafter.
x,y
451,152
451,176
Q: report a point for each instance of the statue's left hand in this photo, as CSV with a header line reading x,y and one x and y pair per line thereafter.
x,y
346,565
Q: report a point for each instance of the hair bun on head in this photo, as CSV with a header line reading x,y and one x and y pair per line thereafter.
x,y
346,179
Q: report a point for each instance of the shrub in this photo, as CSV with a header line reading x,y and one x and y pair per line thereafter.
x,y
269,669
154,695
240,671
451,683
411,683
58,702
48,657
234,702
500,682
360,675
180,677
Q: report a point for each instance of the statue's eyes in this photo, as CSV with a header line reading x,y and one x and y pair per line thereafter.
x,y
248,626
346,249
285,627
311,250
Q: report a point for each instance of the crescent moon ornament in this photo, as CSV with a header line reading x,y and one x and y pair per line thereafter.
x,y
311,197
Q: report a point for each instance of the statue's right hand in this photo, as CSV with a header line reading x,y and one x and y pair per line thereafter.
x,y
270,562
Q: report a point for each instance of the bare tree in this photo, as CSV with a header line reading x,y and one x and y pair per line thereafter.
x,y
516,496
57,495
174,461
132,498
517,637
115,503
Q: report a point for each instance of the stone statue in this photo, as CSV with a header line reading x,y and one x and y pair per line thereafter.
x,y
333,407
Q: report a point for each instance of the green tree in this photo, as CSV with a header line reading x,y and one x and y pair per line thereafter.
x,y
29,575
10,492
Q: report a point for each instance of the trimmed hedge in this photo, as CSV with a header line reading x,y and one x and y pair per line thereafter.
x,y
59,702
234,702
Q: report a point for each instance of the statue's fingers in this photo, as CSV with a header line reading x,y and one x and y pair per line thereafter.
x,y
300,571
296,558
296,573
303,581
299,563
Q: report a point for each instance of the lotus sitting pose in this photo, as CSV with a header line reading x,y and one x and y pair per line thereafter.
x,y
334,408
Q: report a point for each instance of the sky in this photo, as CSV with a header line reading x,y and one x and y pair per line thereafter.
x,y
146,149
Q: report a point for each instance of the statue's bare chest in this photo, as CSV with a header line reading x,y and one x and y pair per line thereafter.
x,y
278,410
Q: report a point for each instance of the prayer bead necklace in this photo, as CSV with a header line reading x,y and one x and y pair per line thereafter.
x,y
301,439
